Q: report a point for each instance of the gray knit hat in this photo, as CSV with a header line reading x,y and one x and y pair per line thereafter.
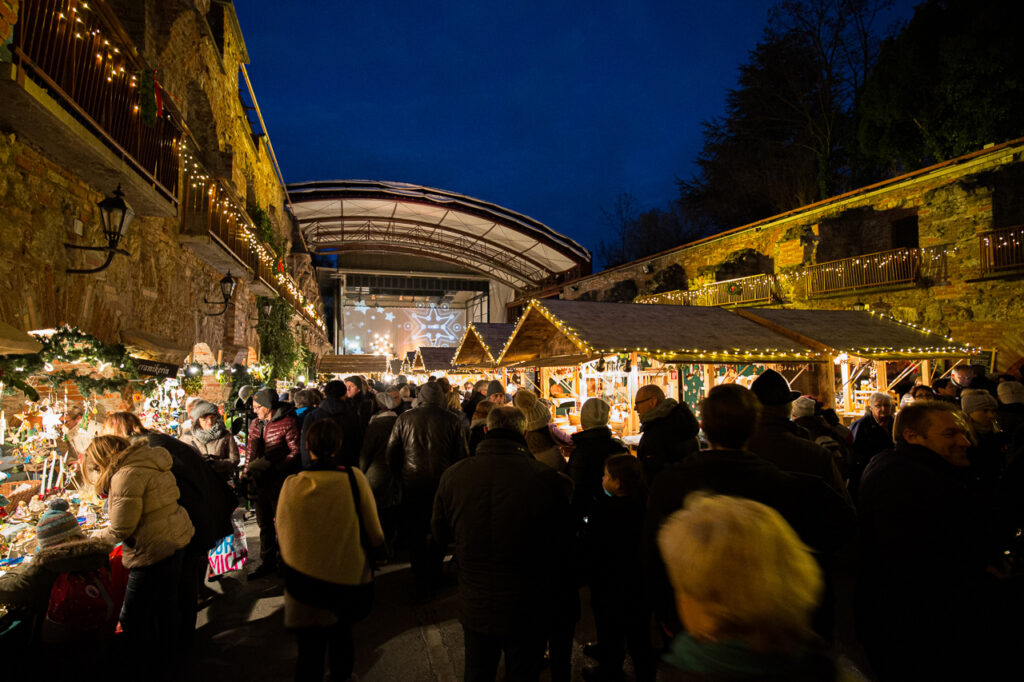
x,y
538,416
594,413
495,388
976,399
1010,392
804,406
386,400
266,397
203,409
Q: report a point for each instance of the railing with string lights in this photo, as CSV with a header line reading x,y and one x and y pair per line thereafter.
x,y
898,266
210,206
1002,250
79,53
741,291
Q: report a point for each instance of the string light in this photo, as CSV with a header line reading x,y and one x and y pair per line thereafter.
x,y
198,179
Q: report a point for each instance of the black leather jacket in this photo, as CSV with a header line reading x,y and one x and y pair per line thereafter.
x,y
425,441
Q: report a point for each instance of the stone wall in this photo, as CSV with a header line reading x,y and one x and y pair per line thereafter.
x,y
953,204
159,289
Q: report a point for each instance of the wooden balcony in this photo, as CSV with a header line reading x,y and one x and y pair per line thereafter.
x,y
1002,250
74,89
215,226
884,268
742,291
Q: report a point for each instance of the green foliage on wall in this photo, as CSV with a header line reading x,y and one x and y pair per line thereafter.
x,y
277,342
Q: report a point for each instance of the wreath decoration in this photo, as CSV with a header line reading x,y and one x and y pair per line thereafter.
x,y
735,289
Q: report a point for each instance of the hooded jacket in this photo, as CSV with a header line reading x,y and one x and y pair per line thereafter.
x,y
27,588
340,410
669,433
425,441
143,506
221,453
586,466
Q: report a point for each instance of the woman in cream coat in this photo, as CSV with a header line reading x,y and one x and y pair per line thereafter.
x,y
142,502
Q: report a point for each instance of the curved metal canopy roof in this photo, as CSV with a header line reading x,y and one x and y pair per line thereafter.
x,y
393,217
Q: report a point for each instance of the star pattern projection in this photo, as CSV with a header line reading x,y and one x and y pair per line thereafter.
x,y
435,327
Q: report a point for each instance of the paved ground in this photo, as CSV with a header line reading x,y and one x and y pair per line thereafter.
x,y
241,633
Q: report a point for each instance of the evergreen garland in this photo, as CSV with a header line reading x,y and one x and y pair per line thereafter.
x,y
75,347
277,343
147,97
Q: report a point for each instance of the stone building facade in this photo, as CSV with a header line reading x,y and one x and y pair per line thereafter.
x,y
942,247
194,199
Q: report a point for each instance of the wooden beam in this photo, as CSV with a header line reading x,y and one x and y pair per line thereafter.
x,y
926,372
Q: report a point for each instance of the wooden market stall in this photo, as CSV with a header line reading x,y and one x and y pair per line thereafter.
x,y
407,362
366,365
862,345
639,338
476,356
430,359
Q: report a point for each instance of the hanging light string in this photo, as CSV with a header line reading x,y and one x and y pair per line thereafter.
x,y
198,179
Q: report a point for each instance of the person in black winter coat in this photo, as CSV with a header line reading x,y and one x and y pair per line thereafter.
x,y
730,413
359,399
337,407
592,446
669,430
424,442
508,516
781,442
373,461
614,562
478,426
929,604
872,434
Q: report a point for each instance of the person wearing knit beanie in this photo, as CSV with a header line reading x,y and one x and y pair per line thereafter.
x,y
804,406
266,397
203,409
594,413
538,415
57,525
496,392
972,400
386,401
1010,392
524,399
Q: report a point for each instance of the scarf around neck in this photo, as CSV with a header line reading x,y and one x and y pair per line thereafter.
x,y
216,431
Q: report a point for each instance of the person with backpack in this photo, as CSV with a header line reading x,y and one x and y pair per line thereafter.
x,y
64,596
328,532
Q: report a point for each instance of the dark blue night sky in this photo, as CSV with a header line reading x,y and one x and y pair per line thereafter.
x,y
547,108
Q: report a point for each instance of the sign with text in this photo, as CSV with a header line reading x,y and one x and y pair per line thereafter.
x,y
156,369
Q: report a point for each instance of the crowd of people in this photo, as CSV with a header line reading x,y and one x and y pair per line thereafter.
x,y
710,553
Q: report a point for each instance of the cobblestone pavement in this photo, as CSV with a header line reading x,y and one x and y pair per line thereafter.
x,y
241,636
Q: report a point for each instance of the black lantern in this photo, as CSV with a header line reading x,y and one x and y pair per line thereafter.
x,y
227,290
116,215
266,305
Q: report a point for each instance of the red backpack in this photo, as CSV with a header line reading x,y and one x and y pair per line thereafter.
x,y
80,606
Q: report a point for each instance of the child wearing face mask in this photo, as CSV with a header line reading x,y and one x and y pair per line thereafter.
x,y
617,596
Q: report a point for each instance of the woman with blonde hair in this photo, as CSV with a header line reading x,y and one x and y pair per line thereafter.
x,y
142,501
745,587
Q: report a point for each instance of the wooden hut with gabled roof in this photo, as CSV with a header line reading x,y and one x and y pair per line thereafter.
x,y
407,362
855,338
395,366
556,332
353,364
481,345
433,359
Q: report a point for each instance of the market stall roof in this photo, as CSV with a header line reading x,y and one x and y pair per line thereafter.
x,y
857,332
433,359
13,341
410,357
354,364
554,332
153,346
395,366
372,216
481,344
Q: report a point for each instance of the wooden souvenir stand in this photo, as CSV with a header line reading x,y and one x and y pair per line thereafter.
x,y
855,342
373,366
556,333
478,350
433,359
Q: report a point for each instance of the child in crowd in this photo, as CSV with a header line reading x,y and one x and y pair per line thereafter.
x,y
617,594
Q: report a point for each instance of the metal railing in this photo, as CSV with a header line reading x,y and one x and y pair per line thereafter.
x,y
1002,249
209,206
898,266
741,291
79,53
